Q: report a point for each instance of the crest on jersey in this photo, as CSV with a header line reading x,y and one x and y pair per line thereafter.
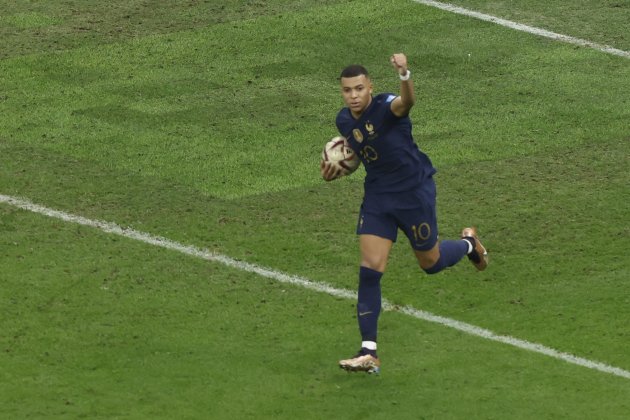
x,y
370,128
358,136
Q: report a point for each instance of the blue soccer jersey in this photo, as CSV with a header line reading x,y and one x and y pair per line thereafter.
x,y
399,188
385,145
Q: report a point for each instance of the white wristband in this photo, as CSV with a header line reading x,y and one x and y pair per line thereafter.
x,y
406,76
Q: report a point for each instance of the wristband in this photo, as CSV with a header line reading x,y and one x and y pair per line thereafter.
x,y
406,76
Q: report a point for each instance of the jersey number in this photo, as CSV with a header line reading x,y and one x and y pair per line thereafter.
x,y
421,232
369,154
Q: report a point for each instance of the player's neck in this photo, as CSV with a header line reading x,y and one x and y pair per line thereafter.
x,y
355,115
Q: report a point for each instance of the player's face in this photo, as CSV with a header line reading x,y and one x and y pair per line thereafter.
x,y
357,93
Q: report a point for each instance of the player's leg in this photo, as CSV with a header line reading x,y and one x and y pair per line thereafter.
x,y
420,226
374,251
374,254
443,254
447,253
377,232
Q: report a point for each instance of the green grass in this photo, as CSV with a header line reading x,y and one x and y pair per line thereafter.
x,y
209,93
206,128
108,337
36,27
603,22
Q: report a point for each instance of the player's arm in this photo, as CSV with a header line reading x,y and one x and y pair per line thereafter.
x,y
403,103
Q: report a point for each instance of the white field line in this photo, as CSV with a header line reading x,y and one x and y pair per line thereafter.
x,y
308,284
525,28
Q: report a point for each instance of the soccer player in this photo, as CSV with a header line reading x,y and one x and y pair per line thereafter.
x,y
399,193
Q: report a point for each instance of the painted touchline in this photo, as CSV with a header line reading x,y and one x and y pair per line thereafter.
x,y
524,28
205,254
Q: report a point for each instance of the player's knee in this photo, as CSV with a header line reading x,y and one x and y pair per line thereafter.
x,y
376,264
433,269
429,264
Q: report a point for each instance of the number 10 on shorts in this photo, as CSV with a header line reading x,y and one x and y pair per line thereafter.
x,y
422,232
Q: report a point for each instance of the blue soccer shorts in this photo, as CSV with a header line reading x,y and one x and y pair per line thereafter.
x,y
415,216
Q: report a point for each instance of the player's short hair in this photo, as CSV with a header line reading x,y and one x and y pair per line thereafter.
x,y
354,70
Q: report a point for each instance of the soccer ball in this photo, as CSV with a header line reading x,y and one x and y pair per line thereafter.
x,y
339,153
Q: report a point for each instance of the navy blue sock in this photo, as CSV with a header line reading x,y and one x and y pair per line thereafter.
x,y
450,254
369,302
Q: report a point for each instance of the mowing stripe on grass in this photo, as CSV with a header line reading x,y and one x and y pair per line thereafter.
x,y
525,28
308,284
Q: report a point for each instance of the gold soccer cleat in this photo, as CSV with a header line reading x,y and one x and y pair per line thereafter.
x,y
361,363
479,255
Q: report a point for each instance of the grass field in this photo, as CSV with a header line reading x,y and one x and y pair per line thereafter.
x,y
203,122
